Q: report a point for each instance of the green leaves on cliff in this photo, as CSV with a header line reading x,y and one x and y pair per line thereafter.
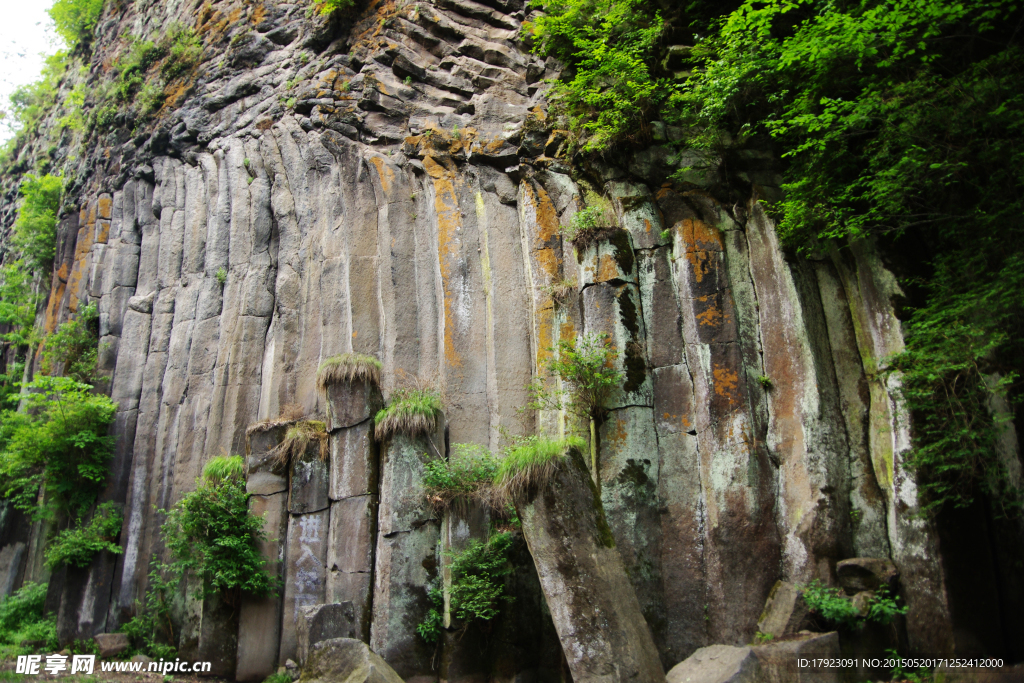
x,y
60,445
212,537
77,546
35,230
610,45
75,19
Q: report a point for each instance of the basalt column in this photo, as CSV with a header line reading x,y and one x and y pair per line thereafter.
x,y
259,624
406,556
351,406
593,605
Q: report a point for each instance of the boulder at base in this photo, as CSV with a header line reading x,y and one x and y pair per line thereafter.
x,y
345,660
111,644
776,662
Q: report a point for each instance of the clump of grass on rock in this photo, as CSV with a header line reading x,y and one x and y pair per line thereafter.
x,y
347,367
465,477
412,412
529,465
297,439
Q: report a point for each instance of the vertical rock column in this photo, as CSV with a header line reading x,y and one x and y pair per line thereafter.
x,y
259,623
353,494
306,558
596,613
406,559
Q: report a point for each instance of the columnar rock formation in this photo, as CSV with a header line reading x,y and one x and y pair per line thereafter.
x,y
408,204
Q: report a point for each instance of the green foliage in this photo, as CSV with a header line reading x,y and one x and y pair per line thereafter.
x,y
278,678
610,46
152,629
22,618
922,675
75,19
186,48
834,608
60,443
326,7
410,412
78,545
224,467
18,304
74,118
586,369
74,346
31,102
478,578
762,638
477,588
466,476
529,463
432,626
211,535
765,381
35,230
221,275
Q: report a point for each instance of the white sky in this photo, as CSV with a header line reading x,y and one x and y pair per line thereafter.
x,y
25,33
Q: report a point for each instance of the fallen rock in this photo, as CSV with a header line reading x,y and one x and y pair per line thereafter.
x,y
345,660
717,664
318,623
779,662
145,659
865,574
862,602
776,662
111,644
784,612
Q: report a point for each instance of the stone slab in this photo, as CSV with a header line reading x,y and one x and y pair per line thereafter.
x,y
352,534
348,660
309,481
354,457
305,573
354,592
348,404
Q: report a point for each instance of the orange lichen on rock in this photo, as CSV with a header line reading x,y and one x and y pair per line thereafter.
x,y
727,383
449,225
712,315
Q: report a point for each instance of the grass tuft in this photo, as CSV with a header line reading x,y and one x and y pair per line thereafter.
x,y
347,367
467,476
411,412
529,466
223,467
298,438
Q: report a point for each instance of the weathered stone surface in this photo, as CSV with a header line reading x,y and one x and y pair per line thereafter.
x,y
354,592
259,621
405,557
716,664
779,662
865,574
784,611
110,644
10,564
354,461
352,534
594,608
305,573
349,403
344,660
309,481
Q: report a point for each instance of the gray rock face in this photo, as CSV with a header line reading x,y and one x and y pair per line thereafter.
x,y
305,574
865,574
771,663
348,404
344,660
318,623
594,608
784,611
716,664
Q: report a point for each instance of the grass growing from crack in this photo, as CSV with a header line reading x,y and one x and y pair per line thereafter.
x,y
530,464
297,439
467,476
411,412
347,367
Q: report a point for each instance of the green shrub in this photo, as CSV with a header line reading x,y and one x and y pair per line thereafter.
x,y
477,588
17,305
466,476
610,46
74,346
22,618
211,536
78,545
840,611
60,443
186,48
410,411
35,230
151,630
75,19
224,467
221,275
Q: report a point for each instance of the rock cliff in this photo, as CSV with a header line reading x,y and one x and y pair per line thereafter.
x,y
387,183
